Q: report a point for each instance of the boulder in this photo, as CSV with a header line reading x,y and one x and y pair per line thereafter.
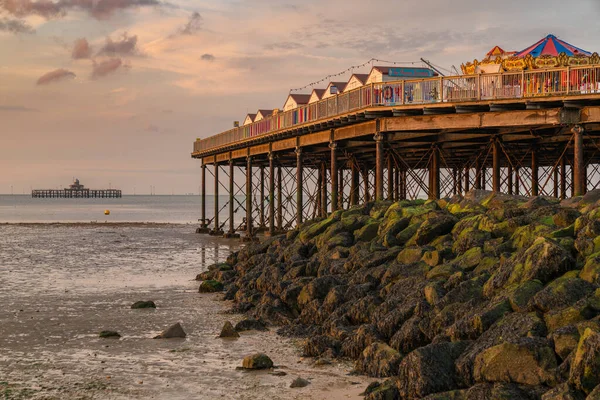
x,y
257,361
519,295
434,227
527,361
496,391
429,369
299,383
143,304
367,232
563,392
585,368
210,286
387,390
250,324
379,360
565,340
228,331
174,331
562,292
591,270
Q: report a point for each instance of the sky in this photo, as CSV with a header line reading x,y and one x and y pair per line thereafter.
x,y
114,92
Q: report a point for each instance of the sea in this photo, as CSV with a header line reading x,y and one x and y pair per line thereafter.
x,y
69,271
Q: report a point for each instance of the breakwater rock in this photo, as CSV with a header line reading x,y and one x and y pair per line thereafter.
x,y
474,297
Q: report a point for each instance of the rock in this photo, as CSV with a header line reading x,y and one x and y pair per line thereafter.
x,y
434,227
174,331
210,286
257,361
250,324
562,292
527,361
382,391
379,360
410,255
429,369
299,383
317,345
595,394
591,270
143,304
520,295
563,392
367,232
496,391
565,340
543,261
109,334
585,368
228,331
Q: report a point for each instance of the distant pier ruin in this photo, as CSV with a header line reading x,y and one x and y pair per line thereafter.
x,y
76,191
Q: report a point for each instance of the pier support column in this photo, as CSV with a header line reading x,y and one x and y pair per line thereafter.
x,y
459,181
299,184
517,180
324,190
366,184
231,199
563,178
272,194
434,174
454,181
396,184
467,179
335,184
249,230
216,230
579,179
390,178
403,185
478,172
535,189
354,185
341,189
379,166
263,223
203,224
555,179
279,200
496,183
509,178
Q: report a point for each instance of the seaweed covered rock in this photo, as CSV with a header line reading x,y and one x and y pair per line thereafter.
x,y
481,296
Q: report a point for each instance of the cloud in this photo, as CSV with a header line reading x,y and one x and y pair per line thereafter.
x,y
99,9
284,46
17,109
15,26
106,67
208,57
55,76
193,25
81,49
126,46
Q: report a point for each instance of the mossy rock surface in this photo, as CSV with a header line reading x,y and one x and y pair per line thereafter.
x,y
257,361
210,286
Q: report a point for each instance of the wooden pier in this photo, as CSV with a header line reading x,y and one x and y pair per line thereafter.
x,y
534,132
76,194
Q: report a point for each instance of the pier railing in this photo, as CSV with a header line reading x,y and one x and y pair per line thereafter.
x,y
454,89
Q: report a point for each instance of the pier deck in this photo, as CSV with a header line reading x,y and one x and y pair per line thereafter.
x,y
530,133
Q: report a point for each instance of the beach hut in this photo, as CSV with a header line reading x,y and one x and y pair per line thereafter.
x,y
333,88
356,81
316,95
295,101
262,114
385,74
249,119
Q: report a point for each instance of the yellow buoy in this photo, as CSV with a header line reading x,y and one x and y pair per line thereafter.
x,y
106,212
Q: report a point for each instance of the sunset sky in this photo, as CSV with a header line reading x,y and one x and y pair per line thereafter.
x,y
116,91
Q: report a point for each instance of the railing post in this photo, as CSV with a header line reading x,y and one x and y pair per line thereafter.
x,y
522,86
478,85
403,94
568,79
441,91
372,99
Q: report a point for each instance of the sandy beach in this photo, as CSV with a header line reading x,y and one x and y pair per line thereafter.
x,y
75,281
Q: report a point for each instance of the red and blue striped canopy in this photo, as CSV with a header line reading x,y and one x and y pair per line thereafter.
x,y
553,46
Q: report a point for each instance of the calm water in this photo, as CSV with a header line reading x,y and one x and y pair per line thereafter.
x,y
169,209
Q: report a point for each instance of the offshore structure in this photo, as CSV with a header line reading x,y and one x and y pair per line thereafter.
x,y
523,123
76,191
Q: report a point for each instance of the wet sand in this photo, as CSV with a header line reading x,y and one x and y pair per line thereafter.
x,y
62,285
